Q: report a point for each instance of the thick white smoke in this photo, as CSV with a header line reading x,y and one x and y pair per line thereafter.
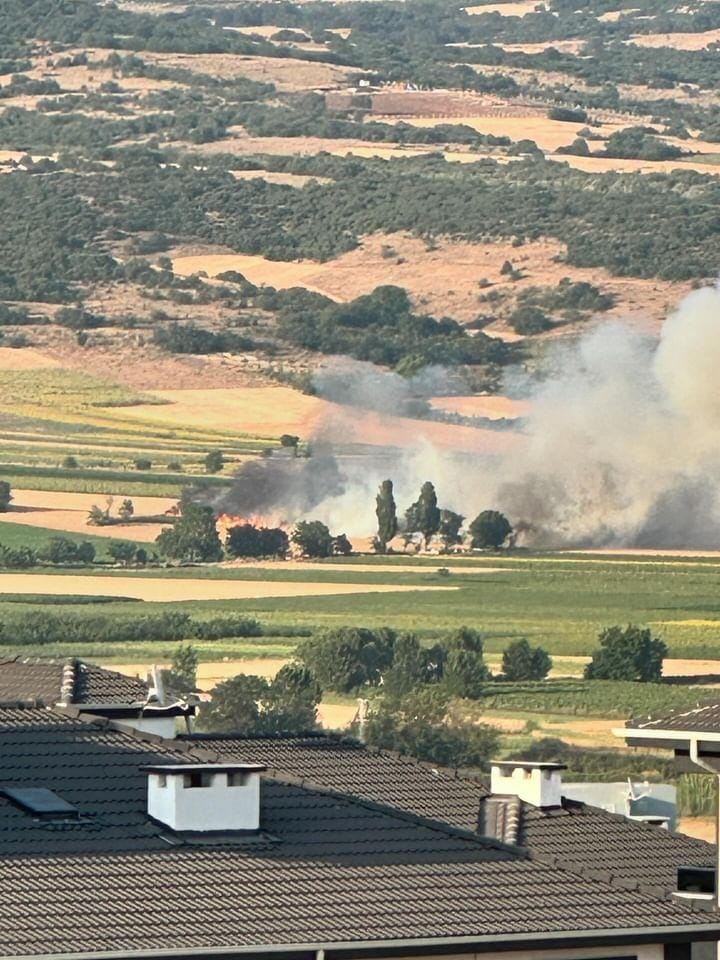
x,y
622,447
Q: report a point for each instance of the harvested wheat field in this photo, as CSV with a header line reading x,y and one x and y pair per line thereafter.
x,y
678,41
67,513
166,590
272,411
518,9
546,133
605,164
259,411
563,46
25,358
493,407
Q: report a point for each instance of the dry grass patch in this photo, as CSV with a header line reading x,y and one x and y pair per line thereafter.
x,y
25,358
605,164
165,590
546,133
286,73
493,407
444,280
273,176
702,828
519,9
678,41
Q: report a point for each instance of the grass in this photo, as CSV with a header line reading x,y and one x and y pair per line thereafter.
x,y
18,535
561,603
591,698
83,480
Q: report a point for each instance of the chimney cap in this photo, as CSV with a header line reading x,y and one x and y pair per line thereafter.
x,y
528,765
175,769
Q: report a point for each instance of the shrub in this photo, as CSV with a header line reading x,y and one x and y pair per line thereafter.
x,y
629,654
142,463
5,496
313,538
246,540
490,529
523,662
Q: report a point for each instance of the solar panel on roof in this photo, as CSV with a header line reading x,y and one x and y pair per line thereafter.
x,y
40,802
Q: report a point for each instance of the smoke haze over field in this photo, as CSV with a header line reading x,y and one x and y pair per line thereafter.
x,y
621,447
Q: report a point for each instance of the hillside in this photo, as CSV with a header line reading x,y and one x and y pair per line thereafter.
x,y
205,201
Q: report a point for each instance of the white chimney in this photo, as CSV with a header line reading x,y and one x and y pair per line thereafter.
x,y
205,797
539,784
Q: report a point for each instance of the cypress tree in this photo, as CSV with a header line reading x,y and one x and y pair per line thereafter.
x,y
386,513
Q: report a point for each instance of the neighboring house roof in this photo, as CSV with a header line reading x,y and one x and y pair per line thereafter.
x,y
704,719
579,835
327,869
66,681
346,765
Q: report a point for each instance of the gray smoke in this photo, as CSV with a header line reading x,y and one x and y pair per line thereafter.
x,y
621,448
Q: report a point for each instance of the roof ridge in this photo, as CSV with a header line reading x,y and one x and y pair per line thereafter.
x,y
458,773
68,680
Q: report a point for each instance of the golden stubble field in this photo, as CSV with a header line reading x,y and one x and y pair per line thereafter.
x,y
68,512
272,411
166,590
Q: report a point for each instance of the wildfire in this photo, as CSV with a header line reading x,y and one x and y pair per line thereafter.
x,y
226,521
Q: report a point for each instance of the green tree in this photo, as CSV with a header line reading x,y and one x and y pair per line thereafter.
x,y
193,537
490,529
523,662
412,666
289,440
121,551
290,705
450,526
181,679
214,461
386,512
417,724
245,540
313,538
629,654
235,705
348,658
5,496
126,510
341,546
466,672
63,550
424,515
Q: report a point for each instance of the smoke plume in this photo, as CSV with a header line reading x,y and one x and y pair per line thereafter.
x,y
621,447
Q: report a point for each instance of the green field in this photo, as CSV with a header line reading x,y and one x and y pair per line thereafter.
x,y
561,603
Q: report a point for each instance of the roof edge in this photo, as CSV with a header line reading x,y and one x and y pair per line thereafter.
x,y
429,946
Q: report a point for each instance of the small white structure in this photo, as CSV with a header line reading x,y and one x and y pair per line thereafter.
x,y
539,784
205,797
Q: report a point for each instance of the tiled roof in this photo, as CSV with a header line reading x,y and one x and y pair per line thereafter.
x,y
584,836
70,681
326,867
628,851
347,766
698,720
